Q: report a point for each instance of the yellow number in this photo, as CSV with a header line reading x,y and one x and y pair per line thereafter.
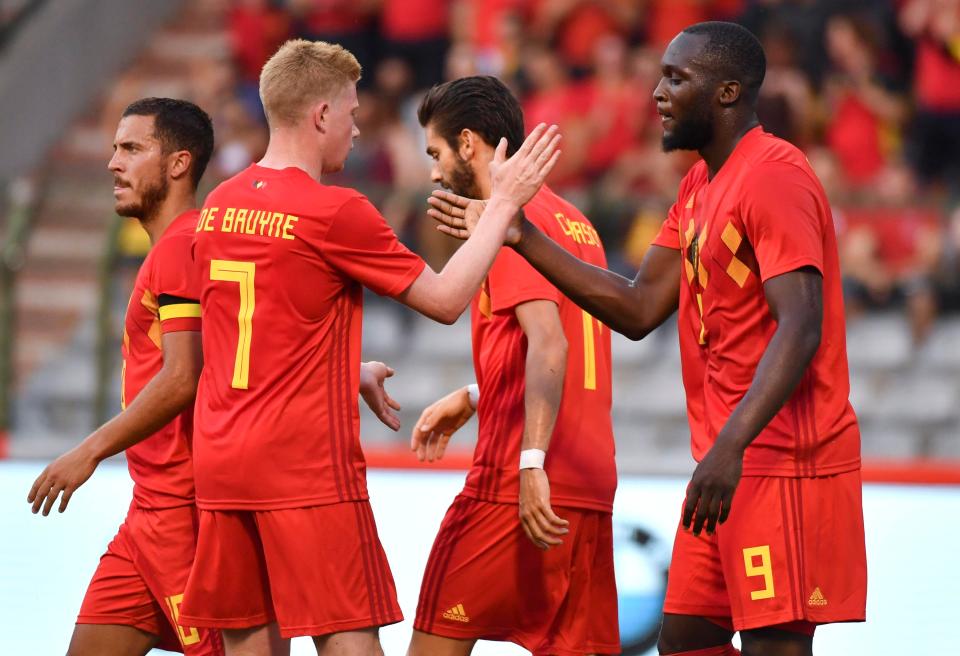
x,y
764,569
241,273
589,352
189,636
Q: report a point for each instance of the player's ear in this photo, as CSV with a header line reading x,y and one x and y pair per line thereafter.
x,y
320,115
467,142
729,92
179,163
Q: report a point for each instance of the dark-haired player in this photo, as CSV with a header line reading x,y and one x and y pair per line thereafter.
x,y
161,149
545,443
748,254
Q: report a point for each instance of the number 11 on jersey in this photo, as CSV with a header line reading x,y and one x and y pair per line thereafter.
x,y
243,274
589,352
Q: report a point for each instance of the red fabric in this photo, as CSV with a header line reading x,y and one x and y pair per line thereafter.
x,y
141,579
854,136
312,570
415,20
580,461
808,531
898,231
291,438
767,199
486,580
583,25
937,78
487,18
616,117
667,18
160,466
255,34
336,17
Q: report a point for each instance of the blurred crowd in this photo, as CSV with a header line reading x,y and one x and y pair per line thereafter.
x,y
870,89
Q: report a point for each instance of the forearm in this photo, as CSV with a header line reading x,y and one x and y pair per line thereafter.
x,y
545,369
608,296
166,395
456,284
779,372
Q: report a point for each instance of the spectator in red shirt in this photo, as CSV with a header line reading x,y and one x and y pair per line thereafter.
x,y
935,143
865,113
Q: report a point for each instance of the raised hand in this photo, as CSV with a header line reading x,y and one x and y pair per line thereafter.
x,y
517,179
539,522
63,475
438,423
372,375
457,215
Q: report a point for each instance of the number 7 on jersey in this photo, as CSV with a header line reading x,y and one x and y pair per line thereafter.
x,y
243,274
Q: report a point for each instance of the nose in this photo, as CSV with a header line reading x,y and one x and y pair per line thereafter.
x,y
356,132
114,163
659,94
435,175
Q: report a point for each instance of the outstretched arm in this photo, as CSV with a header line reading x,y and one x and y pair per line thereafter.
x,y
631,307
167,394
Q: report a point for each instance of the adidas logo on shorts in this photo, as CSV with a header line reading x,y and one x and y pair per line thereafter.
x,y
456,614
817,598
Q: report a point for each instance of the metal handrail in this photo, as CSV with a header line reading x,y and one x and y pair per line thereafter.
x,y
106,337
20,196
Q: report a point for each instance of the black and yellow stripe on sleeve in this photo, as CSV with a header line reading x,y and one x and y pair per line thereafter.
x,y
178,313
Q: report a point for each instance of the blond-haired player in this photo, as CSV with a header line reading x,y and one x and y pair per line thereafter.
x,y
287,544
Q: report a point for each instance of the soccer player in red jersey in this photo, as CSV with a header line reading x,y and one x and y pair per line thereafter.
x,y
161,149
748,254
287,543
544,459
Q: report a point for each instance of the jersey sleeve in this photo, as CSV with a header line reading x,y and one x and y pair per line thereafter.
x,y
782,212
176,285
669,235
513,281
360,244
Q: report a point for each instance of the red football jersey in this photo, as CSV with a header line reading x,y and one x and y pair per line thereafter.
x,y
164,300
764,214
282,262
580,462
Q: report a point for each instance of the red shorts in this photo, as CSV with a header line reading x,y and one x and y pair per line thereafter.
x,y
314,571
141,579
792,550
486,580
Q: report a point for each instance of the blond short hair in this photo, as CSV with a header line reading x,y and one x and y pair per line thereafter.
x,y
302,72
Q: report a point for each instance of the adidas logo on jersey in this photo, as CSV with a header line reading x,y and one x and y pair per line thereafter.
x,y
817,598
456,614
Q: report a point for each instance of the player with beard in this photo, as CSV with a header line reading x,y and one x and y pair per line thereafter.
x,y
544,459
748,254
161,149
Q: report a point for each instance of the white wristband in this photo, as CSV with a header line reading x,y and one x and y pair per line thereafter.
x,y
473,395
532,458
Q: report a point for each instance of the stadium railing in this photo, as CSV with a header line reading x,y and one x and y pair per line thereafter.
x,y
20,196
106,339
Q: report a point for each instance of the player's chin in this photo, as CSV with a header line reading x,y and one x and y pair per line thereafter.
x,y
127,208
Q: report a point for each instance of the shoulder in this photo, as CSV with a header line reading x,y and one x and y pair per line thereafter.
x,y
543,209
695,177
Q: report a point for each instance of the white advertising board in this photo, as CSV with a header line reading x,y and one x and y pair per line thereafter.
x,y
45,563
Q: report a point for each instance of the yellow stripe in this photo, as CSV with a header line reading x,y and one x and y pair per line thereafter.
x,y
179,311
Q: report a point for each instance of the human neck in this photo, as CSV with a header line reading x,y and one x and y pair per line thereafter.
x,y
726,137
169,209
287,148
